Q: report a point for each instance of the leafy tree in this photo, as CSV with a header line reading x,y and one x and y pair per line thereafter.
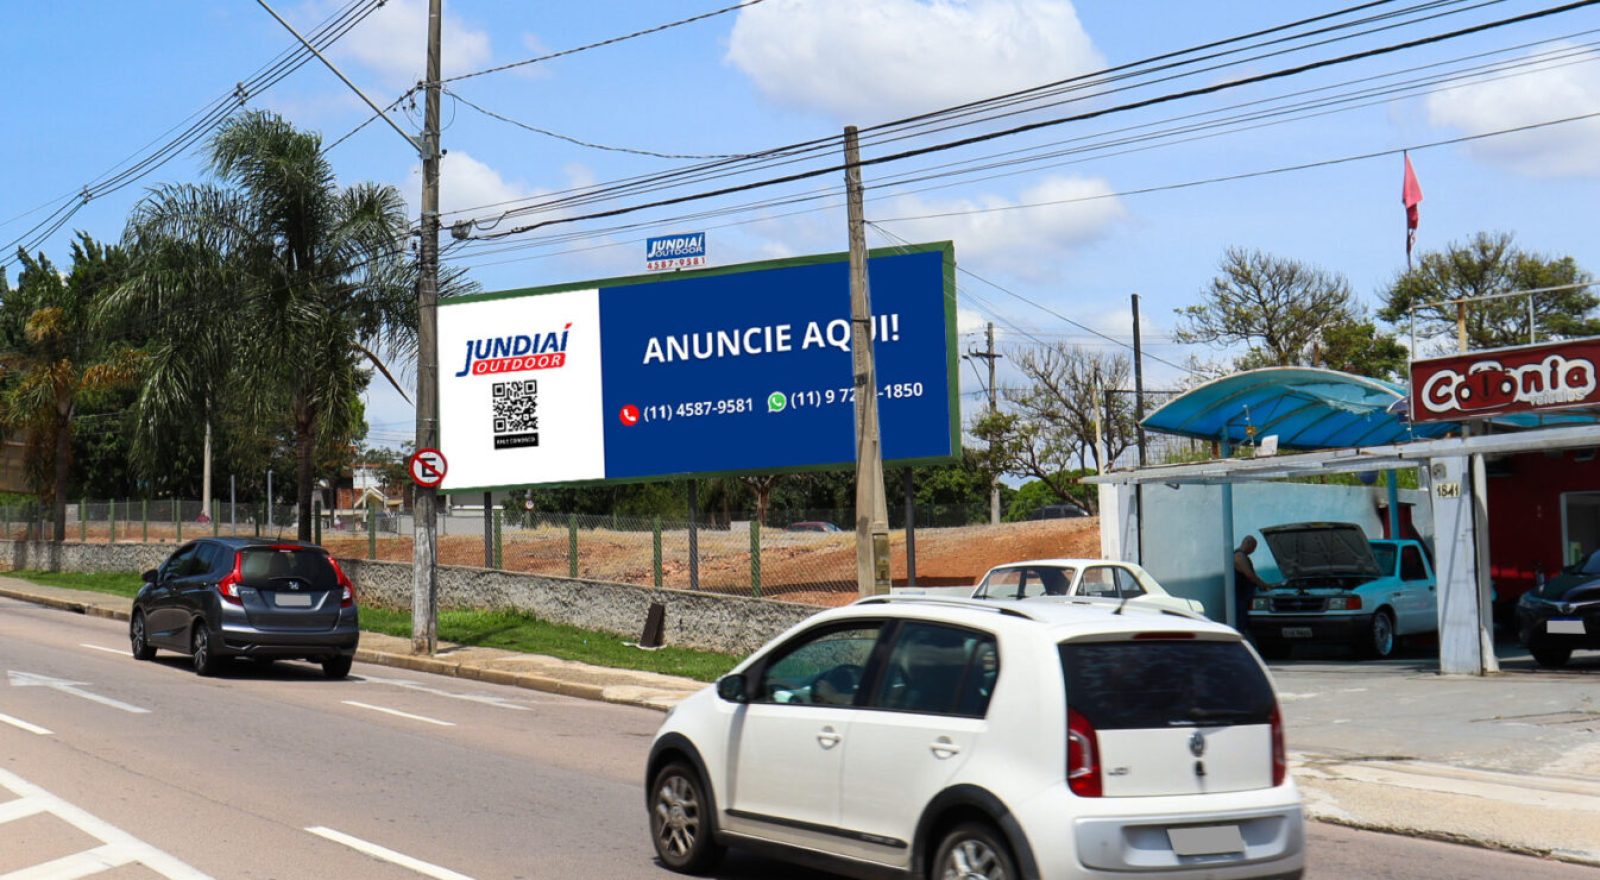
x,y
55,357
316,275
1289,313
1491,263
1035,494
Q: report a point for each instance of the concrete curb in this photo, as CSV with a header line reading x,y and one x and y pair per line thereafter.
x,y
65,605
433,665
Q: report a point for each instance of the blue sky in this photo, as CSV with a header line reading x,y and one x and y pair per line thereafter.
x,y
95,82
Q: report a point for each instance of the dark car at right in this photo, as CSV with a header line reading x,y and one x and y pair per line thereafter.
x,y
1563,615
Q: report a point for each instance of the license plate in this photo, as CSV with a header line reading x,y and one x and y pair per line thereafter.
x,y
1208,840
1297,632
1564,626
294,600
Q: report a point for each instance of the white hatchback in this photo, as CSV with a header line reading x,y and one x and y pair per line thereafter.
x,y
981,740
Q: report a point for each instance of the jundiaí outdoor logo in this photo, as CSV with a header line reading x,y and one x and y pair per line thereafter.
x,y
515,354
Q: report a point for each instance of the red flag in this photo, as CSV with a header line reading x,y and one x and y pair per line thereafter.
x,y
1411,197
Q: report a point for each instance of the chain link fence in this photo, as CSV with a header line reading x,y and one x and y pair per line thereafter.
x,y
798,555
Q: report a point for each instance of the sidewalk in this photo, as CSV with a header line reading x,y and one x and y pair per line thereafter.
x,y
536,672
1509,761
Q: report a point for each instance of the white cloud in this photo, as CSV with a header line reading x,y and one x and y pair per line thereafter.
x,y
466,184
391,42
1549,93
869,61
1026,243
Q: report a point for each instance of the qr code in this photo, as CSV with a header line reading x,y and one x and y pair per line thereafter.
x,y
516,413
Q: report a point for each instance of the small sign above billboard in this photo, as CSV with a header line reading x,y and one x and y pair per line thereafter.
x,y
685,250
1556,375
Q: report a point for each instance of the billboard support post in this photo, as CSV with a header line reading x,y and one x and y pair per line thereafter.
x,y
694,534
872,511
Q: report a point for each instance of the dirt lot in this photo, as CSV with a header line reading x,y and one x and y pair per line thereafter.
x,y
798,567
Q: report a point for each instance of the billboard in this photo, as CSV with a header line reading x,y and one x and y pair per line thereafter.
x,y
739,369
683,251
1555,375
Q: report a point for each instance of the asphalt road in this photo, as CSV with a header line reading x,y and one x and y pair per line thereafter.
x,y
144,770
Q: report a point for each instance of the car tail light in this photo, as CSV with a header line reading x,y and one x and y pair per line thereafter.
x,y
1083,756
228,587
347,596
1344,603
1280,758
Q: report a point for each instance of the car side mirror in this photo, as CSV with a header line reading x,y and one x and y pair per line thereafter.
x,y
149,576
731,688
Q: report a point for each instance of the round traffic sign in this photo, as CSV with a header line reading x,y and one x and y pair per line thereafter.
x,y
427,467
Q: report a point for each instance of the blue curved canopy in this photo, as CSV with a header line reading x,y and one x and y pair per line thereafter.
x,y
1306,407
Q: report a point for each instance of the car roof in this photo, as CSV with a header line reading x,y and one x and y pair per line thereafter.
x,y
239,543
1077,563
1058,618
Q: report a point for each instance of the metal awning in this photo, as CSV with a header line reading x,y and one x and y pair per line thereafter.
x,y
1304,407
1370,458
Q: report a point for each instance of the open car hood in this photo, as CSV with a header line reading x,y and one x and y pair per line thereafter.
x,y
1305,550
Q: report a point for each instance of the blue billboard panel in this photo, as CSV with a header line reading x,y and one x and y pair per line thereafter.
x,y
742,369
684,251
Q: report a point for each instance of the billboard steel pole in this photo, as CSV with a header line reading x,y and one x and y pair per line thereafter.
x,y
872,510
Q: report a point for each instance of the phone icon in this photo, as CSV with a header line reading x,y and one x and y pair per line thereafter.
x,y
629,415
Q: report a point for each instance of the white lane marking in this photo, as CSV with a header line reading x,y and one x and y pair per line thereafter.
x,y
486,699
386,854
29,679
117,651
395,712
23,725
118,847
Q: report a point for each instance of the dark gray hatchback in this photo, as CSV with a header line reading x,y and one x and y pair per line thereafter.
x,y
219,598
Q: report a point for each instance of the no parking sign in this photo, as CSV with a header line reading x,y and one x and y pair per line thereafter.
x,y
427,467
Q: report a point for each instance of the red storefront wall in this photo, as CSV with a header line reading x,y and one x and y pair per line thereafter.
x,y
1525,513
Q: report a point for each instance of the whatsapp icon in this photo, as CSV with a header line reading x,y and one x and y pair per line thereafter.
x,y
776,402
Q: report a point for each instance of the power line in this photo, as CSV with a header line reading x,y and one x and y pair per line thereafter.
x,y
799,151
582,143
1091,114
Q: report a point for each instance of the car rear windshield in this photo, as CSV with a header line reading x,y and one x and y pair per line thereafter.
x,y
1137,685
1384,553
274,567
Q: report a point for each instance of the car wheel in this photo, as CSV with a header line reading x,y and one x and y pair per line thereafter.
x,y
973,851
338,667
205,662
138,639
1379,641
680,825
1550,656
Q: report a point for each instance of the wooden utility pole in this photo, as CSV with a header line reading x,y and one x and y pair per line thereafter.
x,y
994,479
425,547
872,509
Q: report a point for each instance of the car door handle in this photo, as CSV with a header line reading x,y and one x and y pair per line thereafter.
x,y
943,748
828,738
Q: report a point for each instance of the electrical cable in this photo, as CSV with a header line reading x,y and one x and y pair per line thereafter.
x,y
582,143
1042,124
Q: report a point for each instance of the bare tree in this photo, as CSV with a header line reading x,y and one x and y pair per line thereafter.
x,y
1047,429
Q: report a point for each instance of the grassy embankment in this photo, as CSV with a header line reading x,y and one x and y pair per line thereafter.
x,y
488,629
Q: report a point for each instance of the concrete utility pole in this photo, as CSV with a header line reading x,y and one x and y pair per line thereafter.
x,y
425,548
994,481
1461,326
1138,426
872,509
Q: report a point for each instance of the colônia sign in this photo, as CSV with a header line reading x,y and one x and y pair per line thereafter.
x,y
1556,375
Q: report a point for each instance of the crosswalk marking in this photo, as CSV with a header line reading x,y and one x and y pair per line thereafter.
x,y
117,847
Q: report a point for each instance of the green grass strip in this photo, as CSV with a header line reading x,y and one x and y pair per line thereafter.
x,y
489,629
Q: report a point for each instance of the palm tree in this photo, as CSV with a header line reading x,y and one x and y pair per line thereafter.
x,y
303,284
56,355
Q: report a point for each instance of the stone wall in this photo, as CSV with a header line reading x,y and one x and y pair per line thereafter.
x,y
693,620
